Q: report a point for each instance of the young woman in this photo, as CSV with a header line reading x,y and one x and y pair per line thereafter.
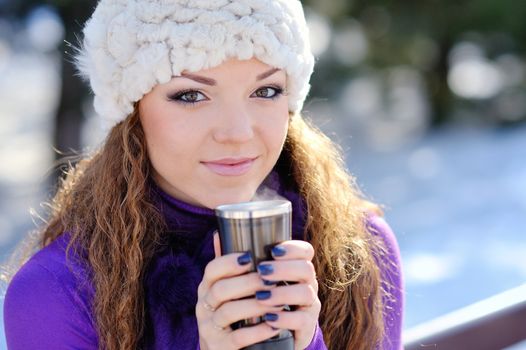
x,y
202,100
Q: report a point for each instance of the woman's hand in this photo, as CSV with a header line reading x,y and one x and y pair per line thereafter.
x,y
292,263
226,281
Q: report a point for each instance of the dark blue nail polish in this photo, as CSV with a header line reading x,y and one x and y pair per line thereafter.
x,y
278,251
274,328
265,269
270,317
263,294
244,259
270,283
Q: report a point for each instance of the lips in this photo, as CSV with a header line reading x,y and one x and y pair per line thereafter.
x,y
230,166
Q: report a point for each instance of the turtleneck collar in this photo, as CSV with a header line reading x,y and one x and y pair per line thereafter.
x,y
177,204
182,217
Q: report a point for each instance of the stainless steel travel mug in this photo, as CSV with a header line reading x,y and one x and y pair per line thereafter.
x,y
256,227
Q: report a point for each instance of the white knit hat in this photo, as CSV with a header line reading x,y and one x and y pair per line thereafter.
x,y
132,45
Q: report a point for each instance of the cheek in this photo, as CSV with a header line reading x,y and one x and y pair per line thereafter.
x,y
278,137
161,141
168,150
155,139
164,130
275,131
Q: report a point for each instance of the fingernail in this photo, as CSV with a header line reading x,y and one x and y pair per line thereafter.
x,y
265,269
270,317
274,328
278,251
263,294
270,283
244,259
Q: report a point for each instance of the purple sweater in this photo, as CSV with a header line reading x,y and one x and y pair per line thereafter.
x,y
48,302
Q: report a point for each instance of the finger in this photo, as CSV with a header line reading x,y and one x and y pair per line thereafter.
x,y
288,270
293,320
301,294
234,288
225,266
238,310
293,249
302,322
217,244
250,335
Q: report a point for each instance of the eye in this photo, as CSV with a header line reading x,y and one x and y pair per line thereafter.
x,y
188,97
268,92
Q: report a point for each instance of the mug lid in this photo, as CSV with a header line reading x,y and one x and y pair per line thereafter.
x,y
256,209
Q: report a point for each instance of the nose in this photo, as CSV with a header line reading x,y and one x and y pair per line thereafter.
x,y
235,125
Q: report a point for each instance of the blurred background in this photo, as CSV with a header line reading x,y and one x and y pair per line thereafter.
x,y
427,99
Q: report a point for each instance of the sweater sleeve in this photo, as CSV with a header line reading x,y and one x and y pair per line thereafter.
x,y
40,312
392,283
317,342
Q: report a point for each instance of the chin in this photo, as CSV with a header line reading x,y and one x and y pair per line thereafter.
x,y
229,198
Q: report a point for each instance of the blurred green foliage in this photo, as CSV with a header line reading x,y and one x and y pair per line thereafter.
x,y
421,34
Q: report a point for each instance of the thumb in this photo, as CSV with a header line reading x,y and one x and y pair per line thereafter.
x,y
217,244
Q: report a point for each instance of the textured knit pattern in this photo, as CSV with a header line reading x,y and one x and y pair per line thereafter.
x,y
132,45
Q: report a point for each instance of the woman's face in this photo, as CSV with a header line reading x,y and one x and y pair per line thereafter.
x,y
214,135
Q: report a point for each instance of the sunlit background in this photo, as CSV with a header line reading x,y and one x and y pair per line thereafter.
x,y
427,99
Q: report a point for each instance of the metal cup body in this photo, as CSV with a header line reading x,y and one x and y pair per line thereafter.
x,y
256,227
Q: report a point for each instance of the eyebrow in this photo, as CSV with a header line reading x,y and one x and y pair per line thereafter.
x,y
267,74
199,79
212,82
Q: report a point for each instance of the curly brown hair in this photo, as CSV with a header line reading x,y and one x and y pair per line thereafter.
x,y
105,204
